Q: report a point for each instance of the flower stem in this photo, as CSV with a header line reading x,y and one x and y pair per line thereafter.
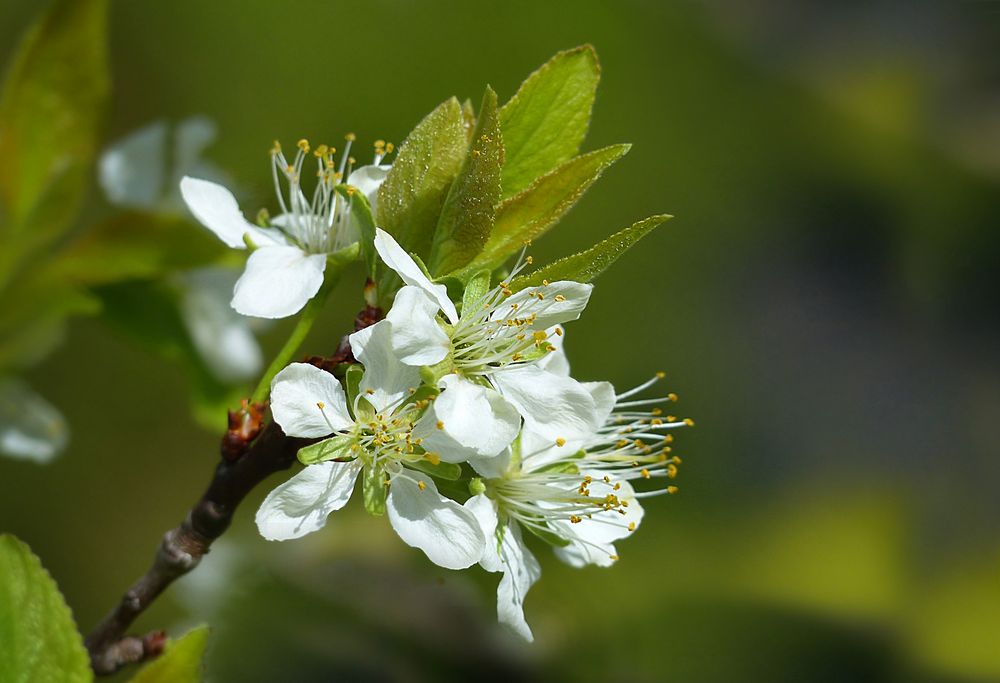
x,y
295,339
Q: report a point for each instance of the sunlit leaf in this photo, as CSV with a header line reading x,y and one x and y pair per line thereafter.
x,y
39,641
530,213
587,265
374,490
181,662
414,191
545,122
467,216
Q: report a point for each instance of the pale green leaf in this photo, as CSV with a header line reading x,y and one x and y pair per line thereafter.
x,y
410,199
181,662
39,642
476,288
50,111
545,122
529,214
442,470
587,265
467,216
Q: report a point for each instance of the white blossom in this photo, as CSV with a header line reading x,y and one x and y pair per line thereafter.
x,y
286,267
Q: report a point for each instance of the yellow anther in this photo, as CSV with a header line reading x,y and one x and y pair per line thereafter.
x,y
350,137
303,144
322,151
370,392
559,297
689,422
616,486
290,168
386,482
545,283
671,418
656,421
574,519
671,490
380,143
672,471
560,442
421,485
558,331
645,473
276,147
439,424
320,405
656,411
661,375
672,397
432,458
516,357
529,260
614,558
669,438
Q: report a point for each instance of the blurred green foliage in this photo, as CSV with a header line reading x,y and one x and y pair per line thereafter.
x,y
825,303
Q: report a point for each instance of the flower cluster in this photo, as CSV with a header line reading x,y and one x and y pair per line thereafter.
x,y
464,426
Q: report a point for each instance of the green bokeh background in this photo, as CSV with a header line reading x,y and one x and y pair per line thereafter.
x,y
825,303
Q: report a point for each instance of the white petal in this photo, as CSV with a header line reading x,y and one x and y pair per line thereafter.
x,y
301,505
191,137
221,335
386,379
555,361
604,398
216,208
520,571
563,301
475,421
131,171
492,468
396,258
30,427
553,407
485,512
308,402
448,534
278,282
592,540
368,179
417,336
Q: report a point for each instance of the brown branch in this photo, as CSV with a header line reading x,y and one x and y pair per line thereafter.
x,y
250,455
183,547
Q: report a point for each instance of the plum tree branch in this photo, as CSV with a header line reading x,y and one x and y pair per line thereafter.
x,y
183,547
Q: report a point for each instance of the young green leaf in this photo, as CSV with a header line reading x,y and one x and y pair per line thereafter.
x,y
545,122
410,199
587,265
181,662
39,642
467,217
374,490
50,111
530,213
361,212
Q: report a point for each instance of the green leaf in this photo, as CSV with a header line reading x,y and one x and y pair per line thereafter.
x,y
361,211
467,216
181,662
374,489
529,214
50,111
448,471
587,265
545,122
410,199
475,290
39,642
328,449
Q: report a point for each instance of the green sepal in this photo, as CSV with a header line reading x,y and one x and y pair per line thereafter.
x,y
335,448
448,471
352,381
431,375
545,122
361,211
341,258
587,265
534,211
414,191
475,289
467,215
549,537
374,490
